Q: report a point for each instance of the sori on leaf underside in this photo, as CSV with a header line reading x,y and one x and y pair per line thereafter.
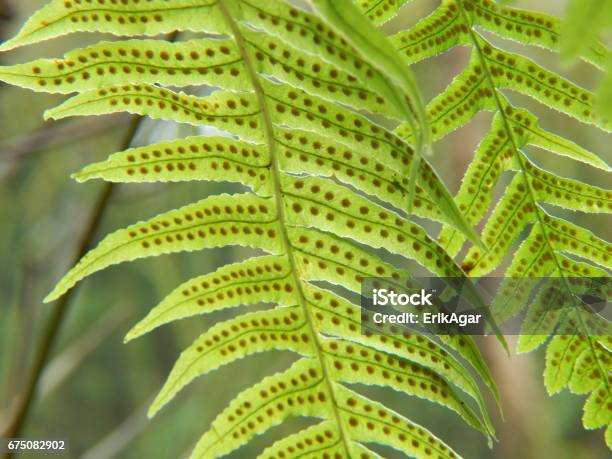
x,y
300,96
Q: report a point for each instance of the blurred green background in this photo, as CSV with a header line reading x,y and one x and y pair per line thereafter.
x,y
96,389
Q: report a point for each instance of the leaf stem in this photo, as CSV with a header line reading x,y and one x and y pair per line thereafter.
x,y
278,192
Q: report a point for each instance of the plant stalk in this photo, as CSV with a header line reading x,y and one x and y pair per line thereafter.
x,y
61,306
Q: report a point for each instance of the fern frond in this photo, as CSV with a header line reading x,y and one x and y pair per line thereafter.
x,y
356,363
530,28
380,11
154,17
213,158
297,97
524,206
302,390
223,109
370,422
318,439
213,222
259,279
512,71
282,329
203,61
399,85
433,35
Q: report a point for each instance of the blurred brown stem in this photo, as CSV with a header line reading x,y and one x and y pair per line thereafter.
x,y
61,306
5,11
57,133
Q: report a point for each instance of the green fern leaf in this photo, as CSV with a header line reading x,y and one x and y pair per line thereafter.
x,y
530,28
298,97
248,282
193,158
303,151
308,33
576,240
195,62
302,70
512,71
336,316
553,143
398,85
354,363
455,107
513,212
549,241
323,438
299,391
433,35
212,222
380,11
225,110
284,329
302,79
540,322
153,17
587,372
561,355
367,421
567,193
399,88
597,412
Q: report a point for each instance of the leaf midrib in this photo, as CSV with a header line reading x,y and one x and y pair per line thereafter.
x,y
114,11
222,435
212,292
426,37
270,330
159,98
131,63
275,172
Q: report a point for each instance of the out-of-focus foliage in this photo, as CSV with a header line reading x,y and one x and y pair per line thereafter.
x,y
585,23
